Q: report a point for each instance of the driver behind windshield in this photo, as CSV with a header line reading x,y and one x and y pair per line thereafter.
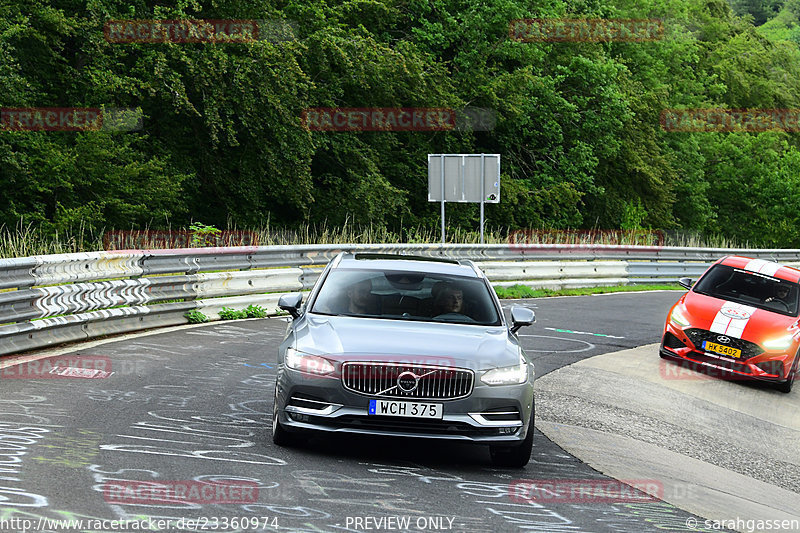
x,y
781,294
448,299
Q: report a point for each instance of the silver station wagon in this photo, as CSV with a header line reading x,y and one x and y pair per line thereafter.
x,y
405,346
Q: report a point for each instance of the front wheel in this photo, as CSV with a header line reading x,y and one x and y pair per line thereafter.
x,y
786,386
514,456
280,436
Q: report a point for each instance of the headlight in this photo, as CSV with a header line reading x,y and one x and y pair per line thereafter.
x,y
311,364
509,375
781,343
678,318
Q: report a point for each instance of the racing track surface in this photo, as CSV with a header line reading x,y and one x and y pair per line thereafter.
x,y
634,416
194,403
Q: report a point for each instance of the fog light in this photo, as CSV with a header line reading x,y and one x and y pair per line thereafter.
x,y
508,431
774,368
297,417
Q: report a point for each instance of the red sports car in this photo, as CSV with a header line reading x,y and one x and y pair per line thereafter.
x,y
741,317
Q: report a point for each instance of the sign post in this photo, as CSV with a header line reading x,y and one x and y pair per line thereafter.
x,y
465,178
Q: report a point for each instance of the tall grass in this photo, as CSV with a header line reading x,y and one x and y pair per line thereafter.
x,y
23,241
696,240
350,233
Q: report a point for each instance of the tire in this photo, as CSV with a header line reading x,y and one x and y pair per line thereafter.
x,y
514,456
786,386
280,436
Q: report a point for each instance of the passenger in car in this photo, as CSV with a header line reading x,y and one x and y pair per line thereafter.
x,y
361,299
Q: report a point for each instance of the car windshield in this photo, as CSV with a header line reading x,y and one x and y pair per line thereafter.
x,y
406,295
749,288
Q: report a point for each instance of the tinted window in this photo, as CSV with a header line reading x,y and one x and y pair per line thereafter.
x,y
406,296
749,288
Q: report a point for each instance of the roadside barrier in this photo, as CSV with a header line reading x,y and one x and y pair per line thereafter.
x,y
52,299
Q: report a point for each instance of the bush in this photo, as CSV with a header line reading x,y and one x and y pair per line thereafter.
x,y
255,311
195,317
231,314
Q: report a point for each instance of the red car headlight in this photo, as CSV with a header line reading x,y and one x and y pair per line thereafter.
x,y
780,343
678,318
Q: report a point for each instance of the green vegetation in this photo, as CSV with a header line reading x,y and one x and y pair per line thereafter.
x,y
251,311
195,317
785,24
202,234
223,140
228,313
523,291
760,10
255,311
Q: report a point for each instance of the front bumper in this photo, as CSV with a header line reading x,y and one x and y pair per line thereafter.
x,y
676,345
499,414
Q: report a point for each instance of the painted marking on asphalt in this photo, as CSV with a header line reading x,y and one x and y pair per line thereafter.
x,y
259,364
559,330
588,347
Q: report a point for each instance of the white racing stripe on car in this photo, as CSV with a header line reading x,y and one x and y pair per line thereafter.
x,y
727,325
761,266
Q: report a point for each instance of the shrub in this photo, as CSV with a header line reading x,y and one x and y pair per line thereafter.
x,y
255,311
231,314
195,317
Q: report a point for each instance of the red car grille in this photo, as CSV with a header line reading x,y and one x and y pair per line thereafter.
x,y
698,336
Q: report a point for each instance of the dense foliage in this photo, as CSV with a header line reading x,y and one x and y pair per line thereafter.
x,y
577,123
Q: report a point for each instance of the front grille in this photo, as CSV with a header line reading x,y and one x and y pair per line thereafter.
x,y
433,382
698,336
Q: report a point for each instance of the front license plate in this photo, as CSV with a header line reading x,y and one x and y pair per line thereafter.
x,y
722,349
408,409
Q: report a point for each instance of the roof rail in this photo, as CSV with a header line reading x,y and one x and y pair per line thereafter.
x,y
367,256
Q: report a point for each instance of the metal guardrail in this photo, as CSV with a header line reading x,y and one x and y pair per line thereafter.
x,y
53,299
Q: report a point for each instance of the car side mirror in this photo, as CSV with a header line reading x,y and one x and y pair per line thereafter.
x,y
521,316
291,303
686,283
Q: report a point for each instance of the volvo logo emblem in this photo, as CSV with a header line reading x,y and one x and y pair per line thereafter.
x,y
722,339
407,381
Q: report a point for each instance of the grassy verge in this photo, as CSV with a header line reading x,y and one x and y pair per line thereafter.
x,y
523,291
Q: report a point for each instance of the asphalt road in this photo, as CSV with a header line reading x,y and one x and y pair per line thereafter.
x,y
188,407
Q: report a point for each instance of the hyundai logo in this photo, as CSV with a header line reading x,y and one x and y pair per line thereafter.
x,y
723,339
407,381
